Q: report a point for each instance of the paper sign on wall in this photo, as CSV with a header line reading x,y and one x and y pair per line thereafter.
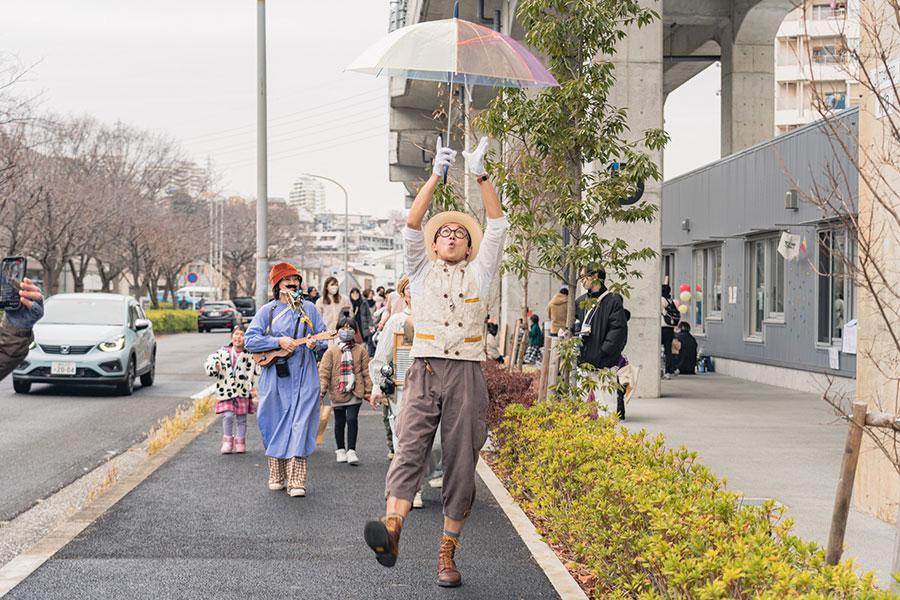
x,y
850,333
834,359
732,294
789,245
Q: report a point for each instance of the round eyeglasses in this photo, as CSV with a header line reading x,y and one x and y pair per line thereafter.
x,y
459,233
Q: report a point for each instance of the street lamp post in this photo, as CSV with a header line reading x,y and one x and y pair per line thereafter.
x,y
346,226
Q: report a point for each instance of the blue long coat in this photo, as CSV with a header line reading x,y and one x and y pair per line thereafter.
x,y
288,413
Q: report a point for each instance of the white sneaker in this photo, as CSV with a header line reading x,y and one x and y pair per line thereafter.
x,y
297,492
352,458
341,455
276,486
437,482
417,501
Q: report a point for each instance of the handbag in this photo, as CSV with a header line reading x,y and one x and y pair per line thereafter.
x,y
324,415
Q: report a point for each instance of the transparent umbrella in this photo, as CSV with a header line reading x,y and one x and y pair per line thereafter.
x,y
457,52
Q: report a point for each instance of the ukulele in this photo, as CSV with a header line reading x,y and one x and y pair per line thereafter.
x,y
268,358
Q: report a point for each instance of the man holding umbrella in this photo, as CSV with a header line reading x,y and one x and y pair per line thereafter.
x,y
450,267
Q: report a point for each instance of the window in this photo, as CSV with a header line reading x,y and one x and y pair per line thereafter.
x,y
706,294
668,268
836,297
765,285
775,287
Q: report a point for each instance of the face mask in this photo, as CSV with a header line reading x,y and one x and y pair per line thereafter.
x,y
345,335
333,289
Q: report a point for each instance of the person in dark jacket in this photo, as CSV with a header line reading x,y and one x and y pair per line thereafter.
x,y
363,317
15,329
603,328
687,349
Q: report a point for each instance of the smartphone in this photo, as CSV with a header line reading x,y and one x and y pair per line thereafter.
x,y
12,272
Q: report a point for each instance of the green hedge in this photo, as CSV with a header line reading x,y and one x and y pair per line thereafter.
x,y
172,321
641,521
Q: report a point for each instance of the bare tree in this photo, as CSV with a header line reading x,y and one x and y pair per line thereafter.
x,y
868,260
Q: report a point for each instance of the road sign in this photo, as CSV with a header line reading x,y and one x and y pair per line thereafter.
x,y
192,278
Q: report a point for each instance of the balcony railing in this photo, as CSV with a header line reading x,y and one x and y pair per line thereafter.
x,y
399,9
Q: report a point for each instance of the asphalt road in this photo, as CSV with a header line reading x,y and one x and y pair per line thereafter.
x,y
206,526
55,434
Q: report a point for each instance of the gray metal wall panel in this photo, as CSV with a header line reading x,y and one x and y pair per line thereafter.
x,y
745,192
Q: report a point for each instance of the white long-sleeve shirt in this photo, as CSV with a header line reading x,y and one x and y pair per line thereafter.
x,y
484,266
384,351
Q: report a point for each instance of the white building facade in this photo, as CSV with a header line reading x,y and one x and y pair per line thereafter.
x,y
307,195
814,67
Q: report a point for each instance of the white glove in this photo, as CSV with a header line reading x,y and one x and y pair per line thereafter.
x,y
443,158
475,158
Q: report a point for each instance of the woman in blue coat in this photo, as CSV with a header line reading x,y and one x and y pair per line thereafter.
x,y
288,413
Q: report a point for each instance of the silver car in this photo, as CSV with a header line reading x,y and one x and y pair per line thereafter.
x,y
90,339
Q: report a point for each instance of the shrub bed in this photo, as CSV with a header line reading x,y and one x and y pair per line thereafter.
x,y
633,519
506,387
172,321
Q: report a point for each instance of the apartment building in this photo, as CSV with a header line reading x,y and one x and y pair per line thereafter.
x,y
814,68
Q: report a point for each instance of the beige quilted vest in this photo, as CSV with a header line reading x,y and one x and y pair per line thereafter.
x,y
449,315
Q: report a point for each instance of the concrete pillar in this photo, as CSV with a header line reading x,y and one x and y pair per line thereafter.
x,y
877,486
748,96
639,90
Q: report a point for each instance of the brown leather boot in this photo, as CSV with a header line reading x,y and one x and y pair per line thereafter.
x,y
448,574
383,536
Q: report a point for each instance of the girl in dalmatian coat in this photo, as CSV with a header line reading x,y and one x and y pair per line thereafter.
x,y
235,373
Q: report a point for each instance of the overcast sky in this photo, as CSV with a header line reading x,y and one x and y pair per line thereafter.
x,y
187,68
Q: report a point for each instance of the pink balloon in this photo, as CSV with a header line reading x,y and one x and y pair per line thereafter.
x,y
685,287
677,302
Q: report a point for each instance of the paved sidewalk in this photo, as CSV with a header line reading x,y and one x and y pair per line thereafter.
x,y
206,526
769,442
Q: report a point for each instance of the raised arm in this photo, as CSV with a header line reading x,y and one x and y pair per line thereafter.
x,y
443,157
475,166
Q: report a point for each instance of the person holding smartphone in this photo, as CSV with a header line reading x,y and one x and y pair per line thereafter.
x,y
16,328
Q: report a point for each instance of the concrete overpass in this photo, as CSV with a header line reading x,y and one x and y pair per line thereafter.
x,y
651,63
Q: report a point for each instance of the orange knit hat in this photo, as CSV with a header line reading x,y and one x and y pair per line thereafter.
x,y
280,271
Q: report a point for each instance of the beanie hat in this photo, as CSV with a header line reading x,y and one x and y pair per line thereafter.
x,y
280,271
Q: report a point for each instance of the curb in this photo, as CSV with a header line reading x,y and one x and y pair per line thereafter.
x,y
26,563
559,576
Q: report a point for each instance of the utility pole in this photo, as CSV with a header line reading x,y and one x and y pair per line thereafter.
x,y
262,198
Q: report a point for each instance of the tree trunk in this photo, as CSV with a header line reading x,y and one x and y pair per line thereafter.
x,y
79,272
520,359
51,278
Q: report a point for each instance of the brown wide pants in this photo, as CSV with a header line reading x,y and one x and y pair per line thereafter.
x,y
455,397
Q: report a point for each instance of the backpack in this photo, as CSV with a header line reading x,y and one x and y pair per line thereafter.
x,y
672,316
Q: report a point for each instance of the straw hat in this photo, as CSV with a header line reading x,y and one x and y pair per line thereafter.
x,y
452,216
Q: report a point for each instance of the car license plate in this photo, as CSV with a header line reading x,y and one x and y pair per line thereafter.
x,y
62,368
214,314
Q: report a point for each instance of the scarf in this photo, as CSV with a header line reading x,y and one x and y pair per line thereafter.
x,y
348,378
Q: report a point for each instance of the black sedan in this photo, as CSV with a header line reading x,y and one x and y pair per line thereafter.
x,y
221,314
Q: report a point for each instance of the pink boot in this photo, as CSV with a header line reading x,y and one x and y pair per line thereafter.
x,y
240,445
227,444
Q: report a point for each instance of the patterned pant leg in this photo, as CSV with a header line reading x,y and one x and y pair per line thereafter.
x,y
277,470
296,472
385,416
